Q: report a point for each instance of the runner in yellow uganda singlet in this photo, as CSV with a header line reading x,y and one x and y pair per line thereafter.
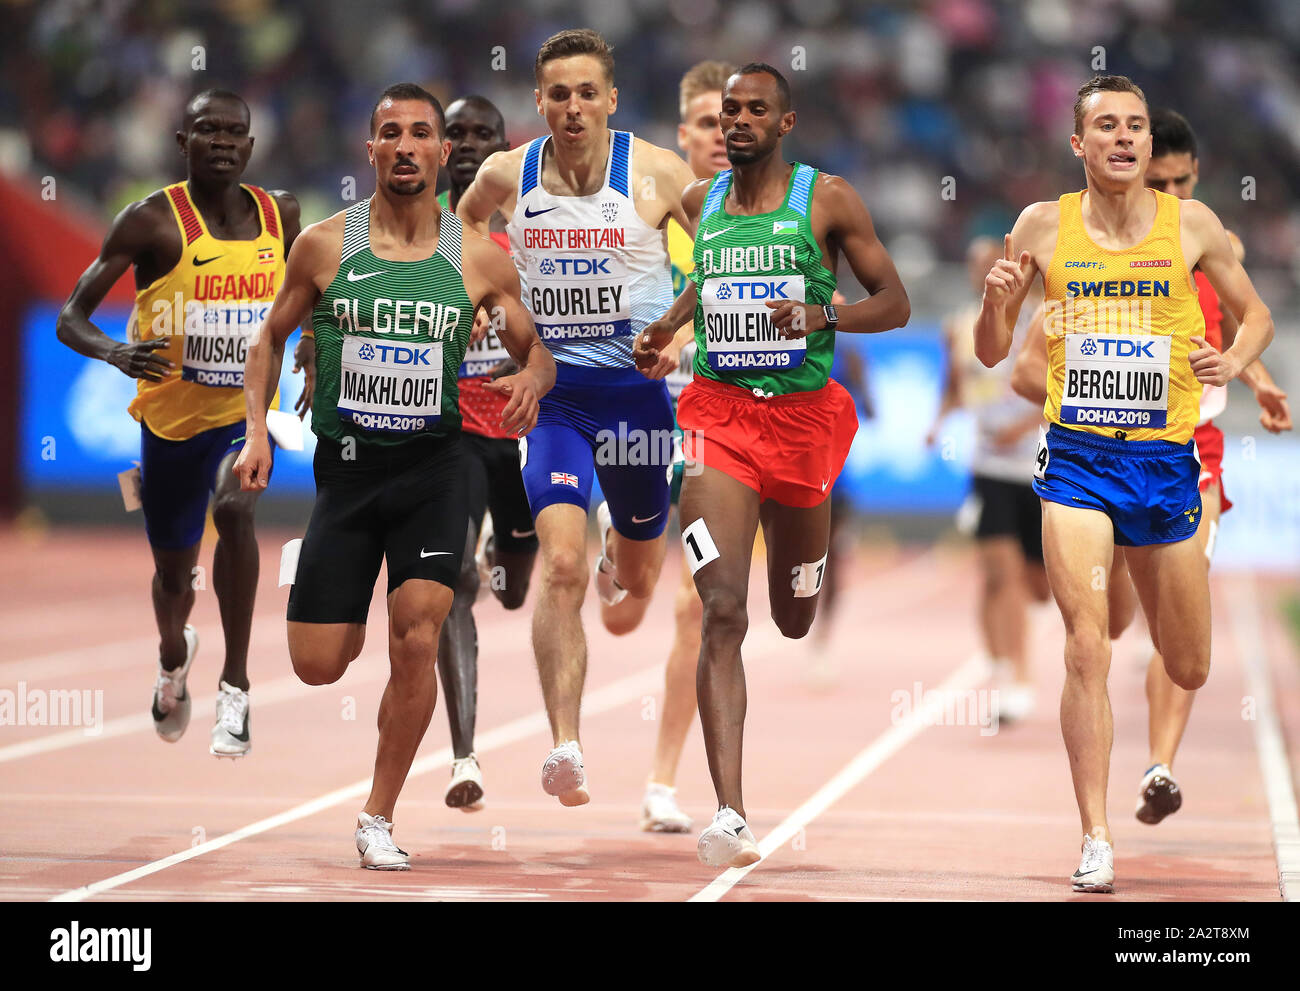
x,y
208,305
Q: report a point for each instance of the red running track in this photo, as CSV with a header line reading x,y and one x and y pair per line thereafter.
x,y
940,812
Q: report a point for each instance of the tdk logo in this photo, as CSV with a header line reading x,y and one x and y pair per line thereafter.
x,y
391,354
1083,264
754,290
1117,347
577,266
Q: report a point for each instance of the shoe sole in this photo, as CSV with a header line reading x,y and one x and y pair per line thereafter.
x,y
726,850
1160,798
465,795
1100,888
562,777
386,867
240,753
664,826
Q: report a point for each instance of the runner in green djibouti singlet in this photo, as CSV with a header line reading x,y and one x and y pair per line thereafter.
x,y
766,430
741,264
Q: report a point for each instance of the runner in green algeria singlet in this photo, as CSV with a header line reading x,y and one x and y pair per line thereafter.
x,y
390,337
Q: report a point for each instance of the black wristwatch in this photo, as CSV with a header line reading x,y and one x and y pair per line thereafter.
x,y
832,316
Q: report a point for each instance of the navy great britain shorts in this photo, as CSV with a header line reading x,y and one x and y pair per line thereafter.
x,y
611,423
1147,488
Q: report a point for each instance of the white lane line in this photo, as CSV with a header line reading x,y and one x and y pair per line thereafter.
x,y
968,675
1243,605
603,699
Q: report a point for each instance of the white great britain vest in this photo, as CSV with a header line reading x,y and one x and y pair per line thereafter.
x,y
593,273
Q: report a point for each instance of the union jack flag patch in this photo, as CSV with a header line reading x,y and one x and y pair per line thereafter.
x,y
564,478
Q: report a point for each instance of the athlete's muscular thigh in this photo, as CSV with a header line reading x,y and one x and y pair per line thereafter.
x,y
719,518
1078,551
797,539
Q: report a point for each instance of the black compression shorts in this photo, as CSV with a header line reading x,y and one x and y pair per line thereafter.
x,y
496,484
406,504
1010,509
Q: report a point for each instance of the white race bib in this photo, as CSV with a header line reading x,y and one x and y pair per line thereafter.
x,y
738,329
1116,380
579,296
392,387
484,356
216,340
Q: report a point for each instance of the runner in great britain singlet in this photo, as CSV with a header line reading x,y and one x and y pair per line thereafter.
x,y
593,274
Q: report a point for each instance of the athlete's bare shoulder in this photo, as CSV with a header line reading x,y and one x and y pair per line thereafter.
x,y
317,250
501,168
149,220
288,204
1035,231
669,170
693,197
834,193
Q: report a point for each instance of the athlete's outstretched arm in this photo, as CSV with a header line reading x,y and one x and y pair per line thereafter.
x,y
131,237
491,275
1007,285
488,192
307,262
1029,373
839,210
1220,264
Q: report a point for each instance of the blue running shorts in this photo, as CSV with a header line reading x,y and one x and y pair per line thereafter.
x,y
610,423
1147,488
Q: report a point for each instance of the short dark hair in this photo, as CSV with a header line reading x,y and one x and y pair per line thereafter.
x,y
576,41
208,95
1103,84
750,68
409,91
1171,134
484,104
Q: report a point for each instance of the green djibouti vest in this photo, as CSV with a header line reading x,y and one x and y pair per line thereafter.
x,y
390,337
740,264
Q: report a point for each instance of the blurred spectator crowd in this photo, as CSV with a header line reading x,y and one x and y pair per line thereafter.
x,y
948,115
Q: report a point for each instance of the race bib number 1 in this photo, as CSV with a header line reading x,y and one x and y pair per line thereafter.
x,y
1120,381
391,387
738,331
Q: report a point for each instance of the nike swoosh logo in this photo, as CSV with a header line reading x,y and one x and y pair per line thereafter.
x,y
825,483
424,553
520,535
353,277
204,261
538,213
242,737
647,519
712,234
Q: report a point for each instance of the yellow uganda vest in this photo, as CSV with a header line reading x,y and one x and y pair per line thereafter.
x,y
1118,327
207,306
